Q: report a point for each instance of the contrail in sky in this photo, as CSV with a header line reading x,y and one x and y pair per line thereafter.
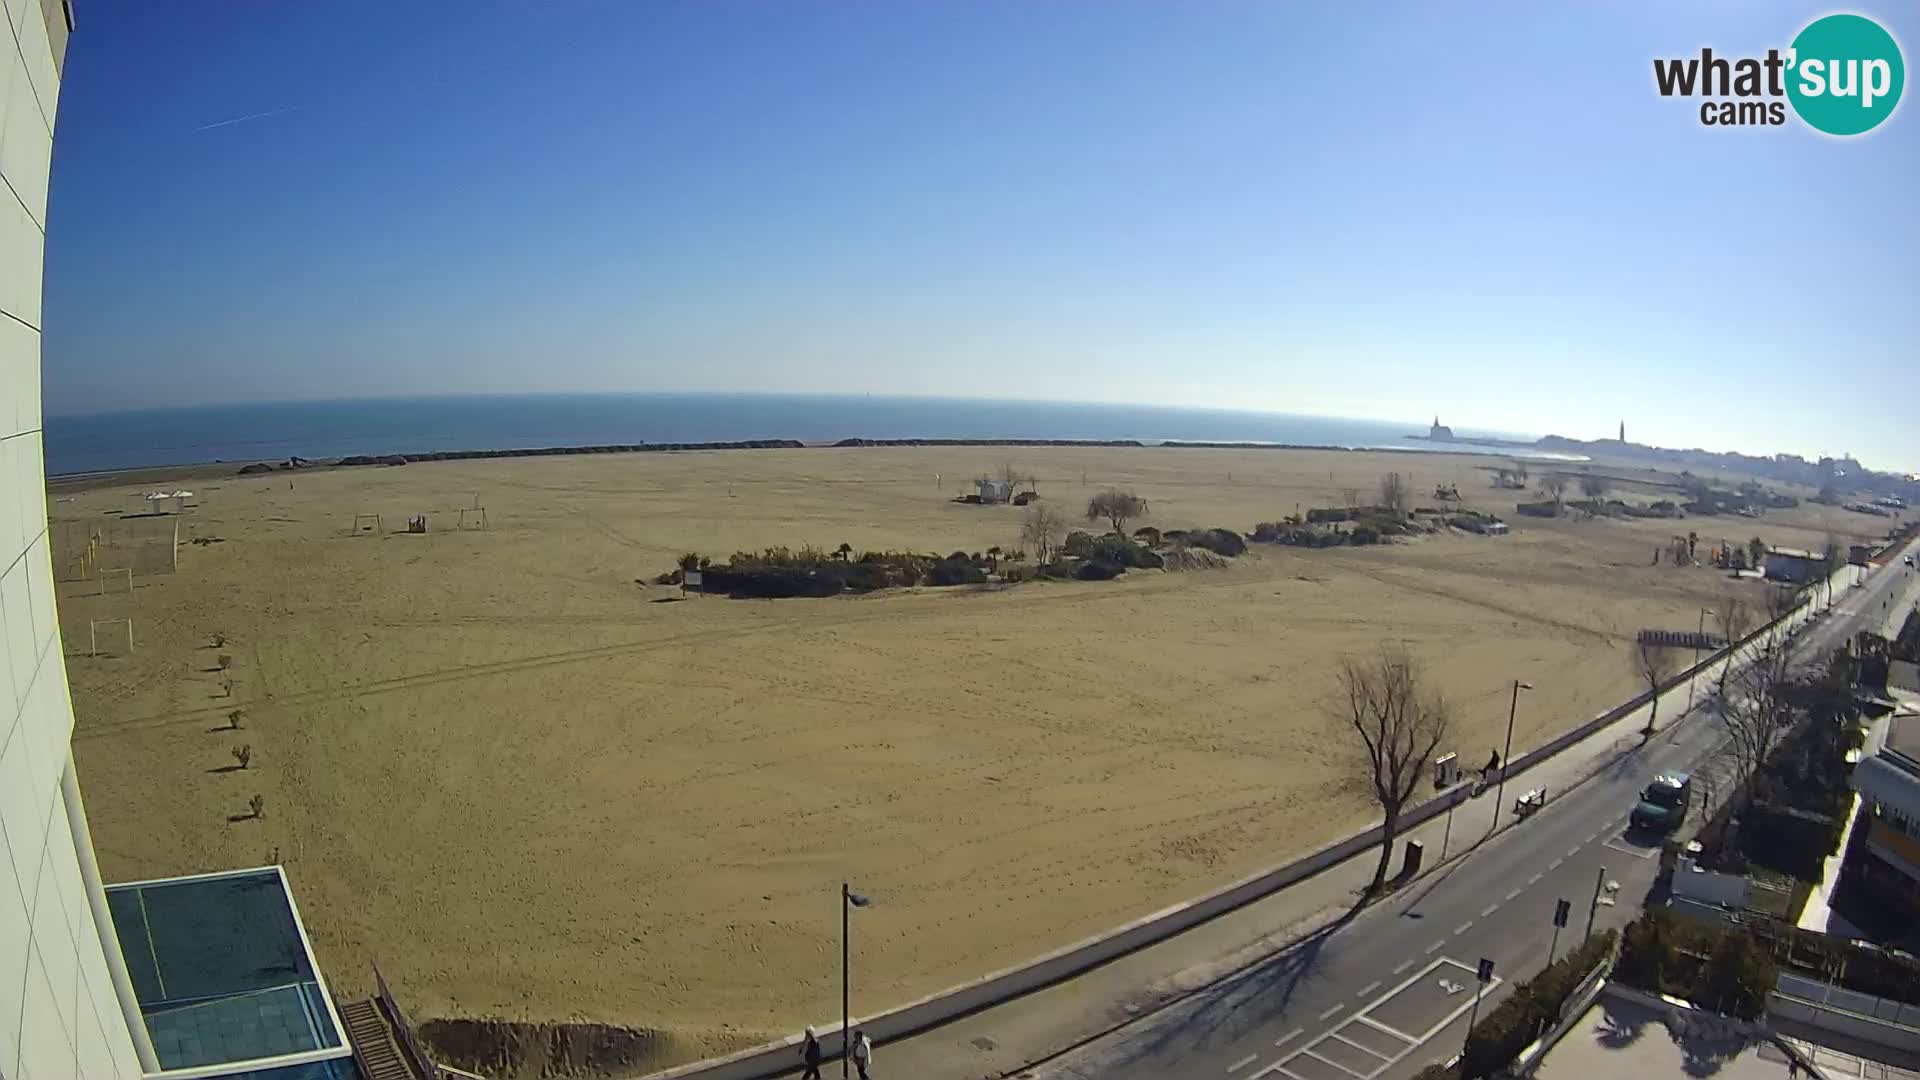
x,y
250,116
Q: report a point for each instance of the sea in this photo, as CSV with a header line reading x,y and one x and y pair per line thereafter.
x,y
96,442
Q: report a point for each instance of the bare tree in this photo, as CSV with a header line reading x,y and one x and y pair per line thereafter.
x,y
1554,486
1117,507
1757,709
1398,725
1394,493
1011,476
1756,554
1350,498
1040,532
1595,486
1656,665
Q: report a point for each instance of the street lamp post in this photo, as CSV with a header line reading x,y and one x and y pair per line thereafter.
x,y
848,901
1500,793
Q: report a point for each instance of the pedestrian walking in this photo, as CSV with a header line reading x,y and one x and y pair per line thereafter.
x,y
810,1054
862,1052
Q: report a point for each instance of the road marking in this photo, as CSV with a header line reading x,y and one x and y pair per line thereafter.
x,y
1513,894
1289,1036
1369,1051
1629,851
1335,1064
1555,864
1403,966
1592,838
1328,1015
1243,1063
1535,879
1488,910
1369,988
1572,851
1463,928
1395,1032
1436,947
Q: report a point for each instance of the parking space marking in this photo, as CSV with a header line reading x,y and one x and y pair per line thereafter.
x,y
1335,1064
1243,1063
1488,910
1436,947
1378,1026
1513,894
1367,989
1404,965
1624,850
1572,851
1289,1036
1463,928
1370,1053
1535,879
1555,864
1329,1014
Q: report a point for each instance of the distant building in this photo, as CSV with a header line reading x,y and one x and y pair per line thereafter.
x,y
1440,432
1792,565
994,491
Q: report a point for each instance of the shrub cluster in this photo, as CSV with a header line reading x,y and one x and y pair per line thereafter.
x,y
1219,541
1724,968
1530,1010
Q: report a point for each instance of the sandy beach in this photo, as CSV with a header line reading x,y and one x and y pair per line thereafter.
x,y
531,787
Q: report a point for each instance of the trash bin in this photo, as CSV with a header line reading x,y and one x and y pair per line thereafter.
x,y
1416,854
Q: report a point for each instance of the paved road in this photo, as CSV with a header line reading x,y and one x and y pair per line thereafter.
x,y
1388,990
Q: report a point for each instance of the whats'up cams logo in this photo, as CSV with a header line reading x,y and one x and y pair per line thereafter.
x,y
1842,75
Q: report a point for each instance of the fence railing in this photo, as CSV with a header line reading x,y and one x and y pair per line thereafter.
x,y
1853,1001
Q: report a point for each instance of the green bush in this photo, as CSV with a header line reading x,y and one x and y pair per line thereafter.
x,y
1319,516
1147,535
1123,553
1224,542
951,571
1531,1009
1099,570
1364,534
1078,544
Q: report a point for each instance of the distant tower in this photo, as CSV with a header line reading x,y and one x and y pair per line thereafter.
x,y
1623,431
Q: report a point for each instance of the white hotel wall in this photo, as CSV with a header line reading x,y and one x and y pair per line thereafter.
x,y
59,1017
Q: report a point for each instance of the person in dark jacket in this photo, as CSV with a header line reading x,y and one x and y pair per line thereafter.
x,y
810,1053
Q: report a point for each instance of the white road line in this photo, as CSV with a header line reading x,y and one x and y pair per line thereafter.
x,y
1555,864
1463,928
1436,947
1378,1026
1369,988
1243,1063
1513,894
1592,838
1488,910
1369,1051
1289,1036
1535,879
1572,851
1328,1015
1404,965
1335,1064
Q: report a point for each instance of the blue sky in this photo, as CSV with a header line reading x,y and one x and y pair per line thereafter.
x,y
1483,211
